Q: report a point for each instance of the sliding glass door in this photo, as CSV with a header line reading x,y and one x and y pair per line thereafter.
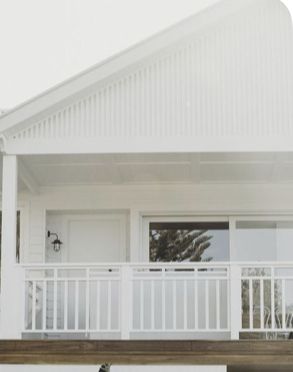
x,y
263,239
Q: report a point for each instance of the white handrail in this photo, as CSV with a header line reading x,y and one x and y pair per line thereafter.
x,y
243,264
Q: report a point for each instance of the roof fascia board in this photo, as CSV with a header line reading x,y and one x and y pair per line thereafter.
x,y
72,87
114,145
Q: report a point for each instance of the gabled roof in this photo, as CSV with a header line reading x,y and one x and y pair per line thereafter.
x,y
223,72
109,67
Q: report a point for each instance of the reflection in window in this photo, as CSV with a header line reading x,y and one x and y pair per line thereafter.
x,y
189,241
264,241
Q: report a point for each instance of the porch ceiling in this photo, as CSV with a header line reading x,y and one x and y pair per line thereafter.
x,y
58,170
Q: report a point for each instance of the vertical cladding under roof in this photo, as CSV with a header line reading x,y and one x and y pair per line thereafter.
x,y
233,79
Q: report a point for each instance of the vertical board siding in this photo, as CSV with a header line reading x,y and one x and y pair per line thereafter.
x,y
234,79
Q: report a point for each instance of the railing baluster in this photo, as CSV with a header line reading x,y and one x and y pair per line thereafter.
x,y
163,300
98,304
141,305
218,325
65,305
25,303
195,300
174,303
34,305
272,299
109,312
87,300
284,325
152,305
44,306
55,300
76,310
185,304
261,293
250,304
207,305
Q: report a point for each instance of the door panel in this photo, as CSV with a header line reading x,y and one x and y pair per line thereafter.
x,y
98,239
88,238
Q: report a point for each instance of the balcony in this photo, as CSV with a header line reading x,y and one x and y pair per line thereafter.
x,y
158,301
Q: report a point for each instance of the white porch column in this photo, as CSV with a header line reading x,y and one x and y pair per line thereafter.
x,y
11,306
235,301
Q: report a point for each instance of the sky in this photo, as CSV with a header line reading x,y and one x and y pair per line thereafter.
x,y
44,42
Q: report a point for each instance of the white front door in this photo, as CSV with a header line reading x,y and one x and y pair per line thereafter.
x,y
87,238
97,238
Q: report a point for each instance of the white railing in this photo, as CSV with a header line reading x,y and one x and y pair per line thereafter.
x,y
68,298
132,300
179,298
267,297
126,298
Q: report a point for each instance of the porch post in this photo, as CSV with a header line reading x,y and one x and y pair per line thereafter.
x,y
235,301
126,302
11,307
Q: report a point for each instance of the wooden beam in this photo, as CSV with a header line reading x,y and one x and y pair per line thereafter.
x,y
27,178
246,352
260,369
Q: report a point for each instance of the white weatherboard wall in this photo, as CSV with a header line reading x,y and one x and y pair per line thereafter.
x,y
33,368
150,200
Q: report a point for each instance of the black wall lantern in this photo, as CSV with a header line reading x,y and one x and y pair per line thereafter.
x,y
56,242
105,367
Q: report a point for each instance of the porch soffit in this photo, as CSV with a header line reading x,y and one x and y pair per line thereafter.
x,y
154,169
219,80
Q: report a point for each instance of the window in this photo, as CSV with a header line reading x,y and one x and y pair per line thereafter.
x,y
258,240
187,241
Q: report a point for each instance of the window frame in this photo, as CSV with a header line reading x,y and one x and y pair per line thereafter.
x,y
146,220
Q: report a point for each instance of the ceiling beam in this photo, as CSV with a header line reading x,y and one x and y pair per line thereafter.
x,y
27,178
112,169
195,168
277,167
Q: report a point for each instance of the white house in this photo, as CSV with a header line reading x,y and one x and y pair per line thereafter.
x,y
190,131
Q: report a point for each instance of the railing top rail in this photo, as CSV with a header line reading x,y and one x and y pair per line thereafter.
x,y
82,265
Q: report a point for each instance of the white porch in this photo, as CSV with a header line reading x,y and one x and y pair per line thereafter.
x,y
192,127
102,284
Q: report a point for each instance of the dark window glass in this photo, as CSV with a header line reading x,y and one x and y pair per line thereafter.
x,y
189,241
